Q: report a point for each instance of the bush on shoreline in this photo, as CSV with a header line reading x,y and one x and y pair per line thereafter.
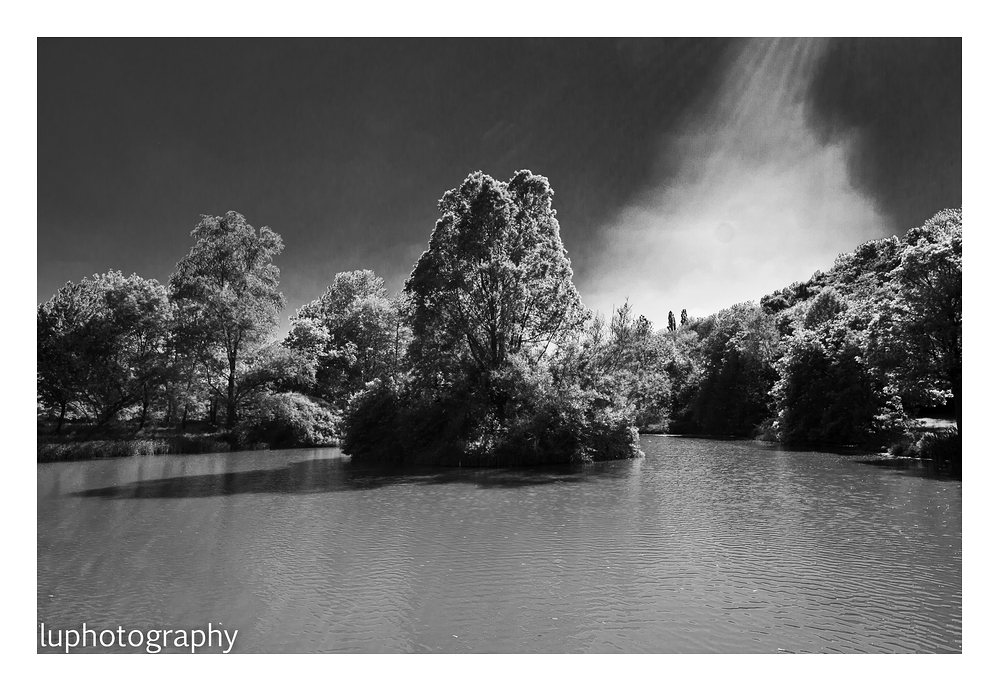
x,y
938,446
536,426
277,421
287,420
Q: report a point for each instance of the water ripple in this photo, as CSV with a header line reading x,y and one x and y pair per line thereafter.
x,y
702,546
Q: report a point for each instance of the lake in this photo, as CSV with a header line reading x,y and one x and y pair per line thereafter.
x,y
701,546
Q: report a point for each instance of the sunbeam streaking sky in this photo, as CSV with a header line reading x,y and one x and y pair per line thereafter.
x,y
757,201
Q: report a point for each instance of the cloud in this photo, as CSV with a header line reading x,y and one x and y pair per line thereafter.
x,y
751,202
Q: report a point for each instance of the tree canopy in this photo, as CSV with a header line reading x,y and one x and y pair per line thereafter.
x,y
100,344
496,279
226,289
488,353
354,330
917,333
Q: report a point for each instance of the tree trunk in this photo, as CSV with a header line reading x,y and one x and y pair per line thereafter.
x,y
183,419
62,416
395,360
230,404
955,383
145,407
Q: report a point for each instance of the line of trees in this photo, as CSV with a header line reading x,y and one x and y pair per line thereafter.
x,y
112,348
488,355
850,356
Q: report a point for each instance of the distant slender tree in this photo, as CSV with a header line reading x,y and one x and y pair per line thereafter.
x,y
227,290
671,322
683,317
622,327
643,327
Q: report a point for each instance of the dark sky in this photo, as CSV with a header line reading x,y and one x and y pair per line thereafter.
x,y
344,147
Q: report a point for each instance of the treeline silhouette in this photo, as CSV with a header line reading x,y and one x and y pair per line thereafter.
x,y
852,356
487,355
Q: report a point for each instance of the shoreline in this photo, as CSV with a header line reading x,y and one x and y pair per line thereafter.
x,y
50,449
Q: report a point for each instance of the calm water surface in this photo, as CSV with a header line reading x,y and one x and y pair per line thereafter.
x,y
701,546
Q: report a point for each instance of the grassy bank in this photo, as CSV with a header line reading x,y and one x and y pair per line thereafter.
x,y
934,440
69,449
78,440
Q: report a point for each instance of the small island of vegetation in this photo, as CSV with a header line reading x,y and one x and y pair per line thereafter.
x,y
495,373
488,356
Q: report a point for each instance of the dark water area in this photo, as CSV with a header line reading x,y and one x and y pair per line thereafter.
x,y
701,546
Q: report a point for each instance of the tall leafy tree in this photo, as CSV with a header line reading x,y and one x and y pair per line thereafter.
x,y
737,351
629,366
917,335
495,281
671,322
354,330
825,394
101,345
59,321
227,291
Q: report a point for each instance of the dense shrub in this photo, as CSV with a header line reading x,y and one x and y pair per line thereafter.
x,y
729,394
825,395
942,445
933,445
568,423
371,426
516,416
286,420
